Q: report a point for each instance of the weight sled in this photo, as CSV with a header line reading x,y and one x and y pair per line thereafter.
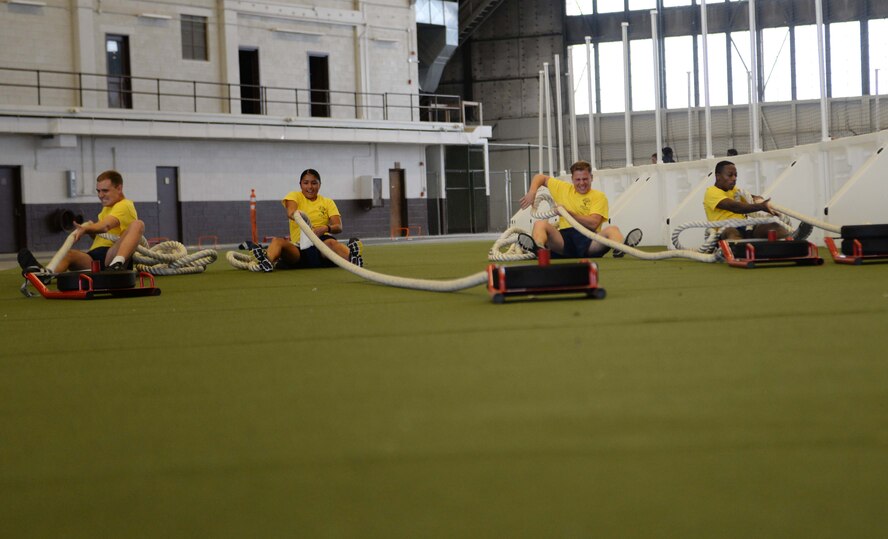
x,y
543,279
750,253
859,243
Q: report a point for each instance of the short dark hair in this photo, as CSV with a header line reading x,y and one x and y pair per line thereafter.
x,y
113,175
580,165
721,166
310,172
732,151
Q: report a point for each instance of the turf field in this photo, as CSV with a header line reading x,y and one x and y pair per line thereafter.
x,y
695,401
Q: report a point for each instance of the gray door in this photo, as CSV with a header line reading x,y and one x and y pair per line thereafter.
x,y
168,221
11,210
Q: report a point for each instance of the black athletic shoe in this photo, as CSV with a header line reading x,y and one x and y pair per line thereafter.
x,y
259,254
803,231
29,264
356,252
527,243
117,266
632,239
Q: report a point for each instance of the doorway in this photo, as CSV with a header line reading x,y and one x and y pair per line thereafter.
x,y
12,212
120,90
169,221
319,81
466,190
398,198
251,91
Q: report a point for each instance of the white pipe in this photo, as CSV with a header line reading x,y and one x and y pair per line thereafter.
x,y
627,114
753,70
655,39
559,115
690,121
486,168
572,113
540,161
590,75
878,114
750,86
549,118
707,108
821,56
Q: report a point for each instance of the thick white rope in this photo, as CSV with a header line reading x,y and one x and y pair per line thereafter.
x,y
509,241
168,257
713,227
60,254
248,262
813,221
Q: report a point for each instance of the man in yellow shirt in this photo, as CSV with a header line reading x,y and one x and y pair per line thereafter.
x,y
722,202
118,217
586,205
325,221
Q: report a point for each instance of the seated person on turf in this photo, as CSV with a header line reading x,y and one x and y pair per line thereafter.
x,y
586,205
118,217
722,202
325,220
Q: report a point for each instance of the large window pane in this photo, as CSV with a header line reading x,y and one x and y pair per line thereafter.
x,y
678,61
641,63
807,63
740,67
610,59
844,43
878,54
580,76
578,7
775,64
718,69
610,6
642,4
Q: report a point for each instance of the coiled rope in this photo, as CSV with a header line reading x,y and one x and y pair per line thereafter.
x,y
242,261
168,257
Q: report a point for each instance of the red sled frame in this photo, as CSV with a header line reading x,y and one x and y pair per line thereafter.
x,y
856,258
86,290
811,259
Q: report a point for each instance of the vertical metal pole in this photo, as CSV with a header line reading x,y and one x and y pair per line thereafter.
x,y
690,120
559,115
821,56
878,114
572,113
541,160
753,73
38,87
627,113
549,118
508,197
589,76
708,110
655,38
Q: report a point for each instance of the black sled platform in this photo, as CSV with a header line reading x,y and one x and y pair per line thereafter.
x,y
544,279
860,243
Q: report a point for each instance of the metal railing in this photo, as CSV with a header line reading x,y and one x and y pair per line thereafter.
x,y
44,87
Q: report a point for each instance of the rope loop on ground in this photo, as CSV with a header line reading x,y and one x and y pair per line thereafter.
x,y
712,236
168,257
243,261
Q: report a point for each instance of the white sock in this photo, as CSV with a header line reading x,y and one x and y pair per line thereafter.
x,y
117,259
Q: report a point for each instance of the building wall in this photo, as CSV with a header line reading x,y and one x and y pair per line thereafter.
x,y
215,181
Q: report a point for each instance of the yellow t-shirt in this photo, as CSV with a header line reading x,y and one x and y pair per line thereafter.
x,y
125,212
566,194
713,196
319,211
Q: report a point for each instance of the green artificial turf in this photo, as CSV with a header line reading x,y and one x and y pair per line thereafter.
x,y
694,401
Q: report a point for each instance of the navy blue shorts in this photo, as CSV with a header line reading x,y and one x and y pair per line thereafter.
x,y
99,253
576,245
309,258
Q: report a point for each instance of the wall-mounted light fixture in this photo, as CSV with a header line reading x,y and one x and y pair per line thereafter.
x,y
296,32
31,3
155,16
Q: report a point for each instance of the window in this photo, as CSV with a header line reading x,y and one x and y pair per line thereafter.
x,y
610,66
878,58
775,64
718,69
578,7
678,61
194,37
675,3
641,62
610,6
844,43
740,67
807,62
635,5
580,76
